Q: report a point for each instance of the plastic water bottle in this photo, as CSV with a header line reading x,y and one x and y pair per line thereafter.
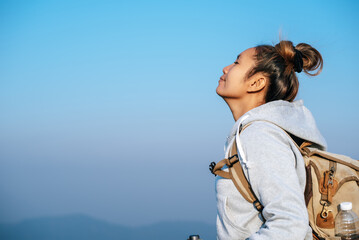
x,y
347,223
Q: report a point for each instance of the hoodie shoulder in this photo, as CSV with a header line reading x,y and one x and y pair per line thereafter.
x,y
259,131
293,117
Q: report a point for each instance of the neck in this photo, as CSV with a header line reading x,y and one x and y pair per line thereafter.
x,y
239,107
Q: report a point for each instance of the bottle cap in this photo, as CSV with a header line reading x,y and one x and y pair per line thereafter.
x,y
346,206
194,237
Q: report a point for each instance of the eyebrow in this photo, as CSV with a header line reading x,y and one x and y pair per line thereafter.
x,y
239,55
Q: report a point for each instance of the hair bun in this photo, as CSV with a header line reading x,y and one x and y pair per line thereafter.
x,y
302,57
312,59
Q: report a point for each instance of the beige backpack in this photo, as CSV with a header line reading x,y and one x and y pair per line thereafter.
x,y
331,179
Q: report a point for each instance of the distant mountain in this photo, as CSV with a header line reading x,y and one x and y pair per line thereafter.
x,y
78,227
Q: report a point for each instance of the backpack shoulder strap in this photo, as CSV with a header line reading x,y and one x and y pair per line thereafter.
x,y
240,181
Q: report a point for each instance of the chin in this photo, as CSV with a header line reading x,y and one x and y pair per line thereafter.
x,y
218,91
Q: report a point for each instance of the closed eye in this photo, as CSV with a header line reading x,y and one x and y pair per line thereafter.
x,y
236,62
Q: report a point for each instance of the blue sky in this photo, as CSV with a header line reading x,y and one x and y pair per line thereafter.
x,y
108,108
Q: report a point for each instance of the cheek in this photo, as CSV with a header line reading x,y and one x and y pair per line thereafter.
x,y
234,81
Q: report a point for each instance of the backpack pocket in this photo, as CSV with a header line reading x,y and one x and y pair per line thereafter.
x,y
333,179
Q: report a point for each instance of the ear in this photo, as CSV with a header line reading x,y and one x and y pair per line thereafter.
x,y
256,84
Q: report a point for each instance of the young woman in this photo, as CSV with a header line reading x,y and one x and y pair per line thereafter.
x,y
260,87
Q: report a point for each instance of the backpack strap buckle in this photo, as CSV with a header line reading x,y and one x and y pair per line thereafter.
x,y
231,162
211,168
258,205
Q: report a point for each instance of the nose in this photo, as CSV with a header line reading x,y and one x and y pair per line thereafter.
x,y
227,68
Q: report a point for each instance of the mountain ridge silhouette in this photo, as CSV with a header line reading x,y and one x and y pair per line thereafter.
x,y
80,226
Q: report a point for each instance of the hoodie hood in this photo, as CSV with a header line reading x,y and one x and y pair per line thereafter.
x,y
293,117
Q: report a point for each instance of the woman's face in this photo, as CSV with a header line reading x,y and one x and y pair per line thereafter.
x,y
232,82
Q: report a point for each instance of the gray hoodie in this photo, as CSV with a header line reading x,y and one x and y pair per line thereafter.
x,y
276,171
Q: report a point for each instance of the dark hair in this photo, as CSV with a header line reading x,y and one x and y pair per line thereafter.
x,y
278,64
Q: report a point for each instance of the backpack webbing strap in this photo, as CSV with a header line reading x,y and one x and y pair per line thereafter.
x,y
240,180
236,173
216,168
